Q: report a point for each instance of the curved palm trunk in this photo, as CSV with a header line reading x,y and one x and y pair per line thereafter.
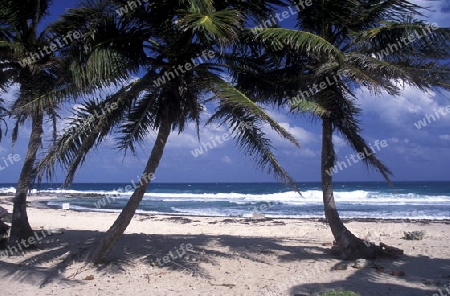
x,y
101,249
20,227
351,246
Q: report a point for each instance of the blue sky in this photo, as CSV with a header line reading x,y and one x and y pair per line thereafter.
x,y
412,153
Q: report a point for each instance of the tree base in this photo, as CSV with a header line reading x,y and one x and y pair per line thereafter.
x,y
16,239
359,249
3,228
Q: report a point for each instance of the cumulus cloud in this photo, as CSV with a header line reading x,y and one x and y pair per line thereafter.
x,y
303,136
188,138
404,110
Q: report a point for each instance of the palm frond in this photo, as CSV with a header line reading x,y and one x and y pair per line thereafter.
x,y
344,117
87,130
410,38
308,106
237,110
139,122
299,41
236,99
247,131
223,26
3,113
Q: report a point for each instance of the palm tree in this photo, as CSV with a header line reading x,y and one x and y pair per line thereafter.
x,y
3,114
356,32
19,36
158,38
43,82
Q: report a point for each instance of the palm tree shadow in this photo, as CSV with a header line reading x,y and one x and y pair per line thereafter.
x,y
59,252
432,274
151,250
55,251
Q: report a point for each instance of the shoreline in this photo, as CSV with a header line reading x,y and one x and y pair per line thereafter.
x,y
39,202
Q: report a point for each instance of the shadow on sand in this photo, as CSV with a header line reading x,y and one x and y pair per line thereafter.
x,y
59,251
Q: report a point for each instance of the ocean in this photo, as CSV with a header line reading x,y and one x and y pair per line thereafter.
x,y
407,200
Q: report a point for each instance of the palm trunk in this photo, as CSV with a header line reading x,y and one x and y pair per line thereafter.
x,y
20,227
351,246
101,249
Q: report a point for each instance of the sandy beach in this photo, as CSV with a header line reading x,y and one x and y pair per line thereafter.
x,y
167,255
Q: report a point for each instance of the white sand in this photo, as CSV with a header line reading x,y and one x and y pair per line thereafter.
x,y
277,257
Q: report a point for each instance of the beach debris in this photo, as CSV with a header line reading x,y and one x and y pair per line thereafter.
x,y
228,220
83,195
257,216
223,285
340,266
414,235
256,220
89,278
181,220
361,263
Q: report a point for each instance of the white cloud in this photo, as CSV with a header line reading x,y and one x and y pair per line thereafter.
x,y
10,96
397,140
300,133
226,159
188,138
301,153
402,111
339,142
303,136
